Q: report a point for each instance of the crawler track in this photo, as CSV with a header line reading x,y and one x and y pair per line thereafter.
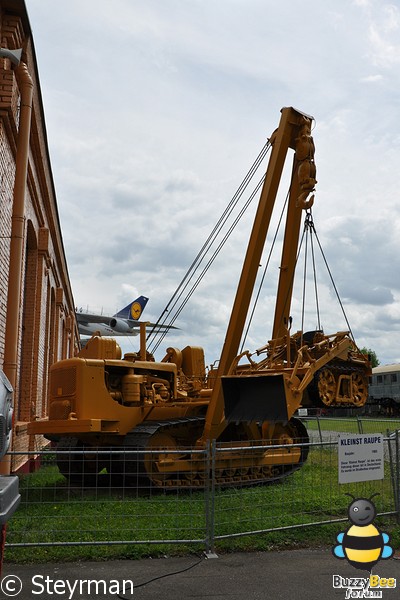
x,y
160,453
322,391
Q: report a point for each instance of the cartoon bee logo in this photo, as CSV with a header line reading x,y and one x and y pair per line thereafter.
x,y
362,543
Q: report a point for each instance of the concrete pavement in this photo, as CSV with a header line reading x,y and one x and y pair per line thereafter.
x,y
302,574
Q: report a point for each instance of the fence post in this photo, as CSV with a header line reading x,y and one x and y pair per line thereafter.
x,y
397,474
359,424
319,428
210,499
393,470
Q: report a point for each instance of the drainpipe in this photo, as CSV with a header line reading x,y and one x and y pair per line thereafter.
x,y
10,365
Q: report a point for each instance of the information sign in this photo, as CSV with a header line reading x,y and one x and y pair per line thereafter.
x,y
360,457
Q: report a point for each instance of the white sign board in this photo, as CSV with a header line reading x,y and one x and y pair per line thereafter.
x,y
302,412
360,457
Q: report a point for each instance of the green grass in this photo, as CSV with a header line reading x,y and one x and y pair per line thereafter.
x,y
52,512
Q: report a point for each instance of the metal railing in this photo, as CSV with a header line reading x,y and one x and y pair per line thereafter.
x,y
329,426
205,507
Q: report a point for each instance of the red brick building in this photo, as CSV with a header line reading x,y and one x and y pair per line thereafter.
x,y
37,318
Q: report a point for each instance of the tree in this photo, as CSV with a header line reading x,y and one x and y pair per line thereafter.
x,y
374,359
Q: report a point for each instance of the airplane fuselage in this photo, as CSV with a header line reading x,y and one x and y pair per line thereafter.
x,y
105,330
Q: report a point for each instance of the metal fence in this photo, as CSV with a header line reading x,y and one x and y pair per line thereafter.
x,y
207,507
329,426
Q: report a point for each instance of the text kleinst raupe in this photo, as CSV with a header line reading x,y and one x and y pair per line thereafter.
x,y
361,440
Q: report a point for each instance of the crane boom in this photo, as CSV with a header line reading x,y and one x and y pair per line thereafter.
x,y
294,126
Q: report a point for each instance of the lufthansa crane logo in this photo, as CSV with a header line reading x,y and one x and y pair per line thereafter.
x,y
136,310
362,543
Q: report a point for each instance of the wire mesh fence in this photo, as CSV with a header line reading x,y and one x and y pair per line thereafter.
x,y
323,427
311,495
102,498
65,503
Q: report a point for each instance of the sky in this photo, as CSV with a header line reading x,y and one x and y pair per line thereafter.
x,y
156,109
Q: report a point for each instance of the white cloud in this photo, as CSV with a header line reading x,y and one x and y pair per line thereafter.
x,y
371,78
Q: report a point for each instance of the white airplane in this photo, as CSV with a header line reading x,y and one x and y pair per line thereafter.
x,y
125,322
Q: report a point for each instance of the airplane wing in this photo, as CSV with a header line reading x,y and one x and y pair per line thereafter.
x,y
135,325
160,327
87,319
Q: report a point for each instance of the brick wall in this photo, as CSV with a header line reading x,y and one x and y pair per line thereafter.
x,y
7,171
47,329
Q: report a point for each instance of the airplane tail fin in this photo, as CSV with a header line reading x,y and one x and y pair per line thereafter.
x,y
133,311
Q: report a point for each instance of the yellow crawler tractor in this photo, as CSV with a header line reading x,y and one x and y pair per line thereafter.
x,y
161,412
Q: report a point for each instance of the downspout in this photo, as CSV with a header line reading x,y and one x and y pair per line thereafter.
x,y
10,366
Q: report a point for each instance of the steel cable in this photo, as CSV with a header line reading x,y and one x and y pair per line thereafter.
x,y
207,266
166,314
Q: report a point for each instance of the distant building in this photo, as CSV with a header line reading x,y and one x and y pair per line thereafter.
x,y
37,318
384,388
